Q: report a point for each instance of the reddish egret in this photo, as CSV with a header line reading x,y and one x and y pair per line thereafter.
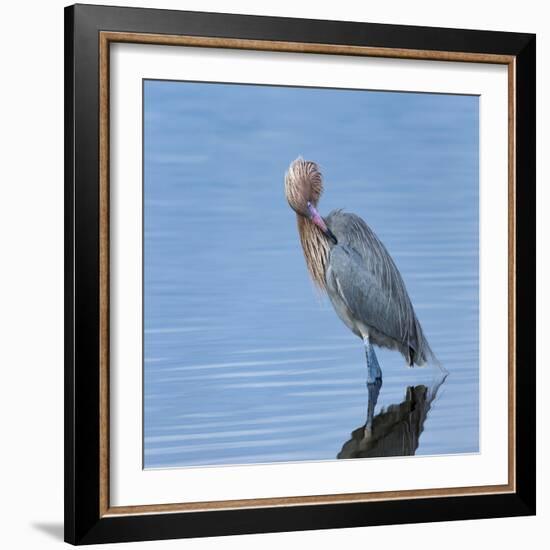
x,y
348,261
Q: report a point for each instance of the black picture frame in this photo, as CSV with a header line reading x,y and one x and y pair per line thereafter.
x,y
84,523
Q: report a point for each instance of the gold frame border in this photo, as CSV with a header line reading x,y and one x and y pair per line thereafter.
x,y
105,39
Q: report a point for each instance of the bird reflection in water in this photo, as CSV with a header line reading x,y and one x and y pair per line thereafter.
x,y
396,429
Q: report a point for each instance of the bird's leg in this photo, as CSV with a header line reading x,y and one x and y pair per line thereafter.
x,y
374,391
374,371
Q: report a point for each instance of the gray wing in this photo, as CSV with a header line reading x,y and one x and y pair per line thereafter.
x,y
365,277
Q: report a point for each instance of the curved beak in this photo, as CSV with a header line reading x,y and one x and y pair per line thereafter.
x,y
316,218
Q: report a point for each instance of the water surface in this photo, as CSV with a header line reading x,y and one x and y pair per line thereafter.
x,y
243,361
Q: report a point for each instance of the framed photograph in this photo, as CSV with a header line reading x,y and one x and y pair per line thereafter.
x,y
299,274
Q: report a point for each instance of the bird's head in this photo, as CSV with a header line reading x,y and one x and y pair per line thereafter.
x,y
303,189
303,185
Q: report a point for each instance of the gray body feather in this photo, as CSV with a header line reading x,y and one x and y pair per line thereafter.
x,y
368,292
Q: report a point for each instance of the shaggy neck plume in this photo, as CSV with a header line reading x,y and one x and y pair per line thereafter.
x,y
315,247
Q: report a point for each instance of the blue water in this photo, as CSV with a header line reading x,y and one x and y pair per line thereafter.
x,y
244,362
